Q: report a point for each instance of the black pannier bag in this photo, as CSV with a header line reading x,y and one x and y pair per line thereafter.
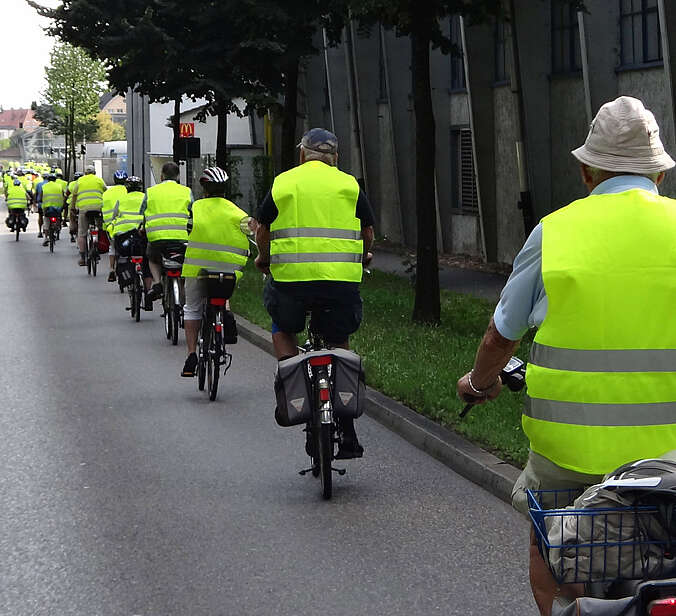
x,y
294,392
125,270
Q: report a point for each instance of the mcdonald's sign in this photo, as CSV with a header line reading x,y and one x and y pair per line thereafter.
x,y
187,129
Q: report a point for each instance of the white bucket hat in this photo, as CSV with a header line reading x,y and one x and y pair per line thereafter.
x,y
624,137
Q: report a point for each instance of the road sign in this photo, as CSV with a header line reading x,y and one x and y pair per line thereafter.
x,y
188,147
187,129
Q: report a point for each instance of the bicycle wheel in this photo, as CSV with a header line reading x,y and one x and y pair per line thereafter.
x,y
168,322
133,297
51,240
88,257
201,350
325,449
94,259
215,350
18,230
175,324
138,288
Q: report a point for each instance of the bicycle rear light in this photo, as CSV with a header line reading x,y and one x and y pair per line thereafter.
x,y
218,328
52,219
324,394
137,260
663,607
174,273
324,360
217,301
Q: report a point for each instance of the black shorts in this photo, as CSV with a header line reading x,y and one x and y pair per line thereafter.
x,y
162,248
336,307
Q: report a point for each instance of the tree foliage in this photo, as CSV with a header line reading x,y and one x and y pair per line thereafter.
x,y
107,129
74,84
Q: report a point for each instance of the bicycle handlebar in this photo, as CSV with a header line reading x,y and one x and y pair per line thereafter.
x,y
513,375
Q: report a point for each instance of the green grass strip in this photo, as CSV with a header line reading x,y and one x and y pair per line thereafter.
x,y
419,365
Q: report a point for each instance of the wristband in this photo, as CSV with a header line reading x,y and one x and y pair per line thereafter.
x,y
478,392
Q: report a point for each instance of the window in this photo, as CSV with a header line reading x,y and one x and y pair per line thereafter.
x,y
640,32
462,169
501,37
566,55
458,81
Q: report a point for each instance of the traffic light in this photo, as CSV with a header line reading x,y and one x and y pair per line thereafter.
x,y
83,149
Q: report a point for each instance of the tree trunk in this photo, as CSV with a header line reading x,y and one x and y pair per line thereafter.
x,y
222,137
427,308
176,127
290,114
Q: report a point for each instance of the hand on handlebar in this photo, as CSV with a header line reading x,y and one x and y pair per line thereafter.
x,y
366,260
467,394
262,266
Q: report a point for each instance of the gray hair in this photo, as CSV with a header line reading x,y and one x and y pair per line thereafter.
x,y
598,175
325,157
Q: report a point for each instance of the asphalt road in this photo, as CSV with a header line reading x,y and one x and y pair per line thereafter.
x,y
123,490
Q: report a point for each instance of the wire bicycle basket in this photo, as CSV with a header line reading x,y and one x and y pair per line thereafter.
x,y
599,544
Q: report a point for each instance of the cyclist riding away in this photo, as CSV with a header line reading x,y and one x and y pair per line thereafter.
x,y
87,197
70,210
314,234
597,279
166,210
17,202
52,203
110,198
215,242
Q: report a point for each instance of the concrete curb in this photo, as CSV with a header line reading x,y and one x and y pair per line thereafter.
x,y
465,458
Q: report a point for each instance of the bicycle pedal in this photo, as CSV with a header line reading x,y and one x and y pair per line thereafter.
x,y
306,471
340,471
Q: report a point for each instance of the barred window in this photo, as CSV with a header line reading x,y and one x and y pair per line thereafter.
x,y
458,81
640,32
462,161
566,54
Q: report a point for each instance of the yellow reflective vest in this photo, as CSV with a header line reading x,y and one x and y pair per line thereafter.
x,y
216,241
52,196
16,197
316,235
89,193
602,374
167,211
127,213
110,198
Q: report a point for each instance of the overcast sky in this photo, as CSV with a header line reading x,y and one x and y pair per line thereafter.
x,y
22,39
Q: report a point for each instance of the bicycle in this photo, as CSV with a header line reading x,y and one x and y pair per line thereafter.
x,y
54,231
172,300
16,220
211,352
92,257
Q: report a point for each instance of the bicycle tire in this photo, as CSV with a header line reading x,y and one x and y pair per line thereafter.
x,y
88,258
51,241
94,260
133,295
201,364
138,288
175,324
214,364
18,230
167,316
325,449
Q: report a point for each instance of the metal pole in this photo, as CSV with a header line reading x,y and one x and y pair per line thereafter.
x,y
328,80
585,64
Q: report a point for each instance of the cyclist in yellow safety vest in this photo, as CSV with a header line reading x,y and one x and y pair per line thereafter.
x,y
127,212
17,200
52,203
112,196
314,235
598,280
215,242
166,210
64,189
87,197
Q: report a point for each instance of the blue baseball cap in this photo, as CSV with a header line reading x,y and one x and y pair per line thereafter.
x,y
320,140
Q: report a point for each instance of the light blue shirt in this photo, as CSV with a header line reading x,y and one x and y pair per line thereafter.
x,y
523,301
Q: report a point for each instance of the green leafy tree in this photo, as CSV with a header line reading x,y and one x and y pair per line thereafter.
x,y
74,83
107,129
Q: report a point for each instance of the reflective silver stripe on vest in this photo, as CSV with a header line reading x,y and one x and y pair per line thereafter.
x,y
222,266
165,228
317,257
587,414
630,360
338,234
169,215
90,192
129,214
219,247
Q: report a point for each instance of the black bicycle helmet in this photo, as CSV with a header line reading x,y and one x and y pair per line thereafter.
x,y
213,175
77,175
134,184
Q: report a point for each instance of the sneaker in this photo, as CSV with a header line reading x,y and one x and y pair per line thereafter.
x,y
349,448
190,366
155,293
111,276
72,239
40,236
45,243
81,263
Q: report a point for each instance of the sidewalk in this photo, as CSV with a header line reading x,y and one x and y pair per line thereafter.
x,y
485,285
